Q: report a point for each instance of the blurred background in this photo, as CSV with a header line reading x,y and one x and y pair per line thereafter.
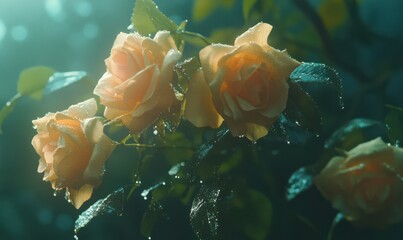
x,y
362,40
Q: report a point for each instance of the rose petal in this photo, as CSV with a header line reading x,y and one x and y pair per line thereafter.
x,y
83,110
93,129
170,60
209,57
165,39
200,110
254,132
256,34
95,168
78,197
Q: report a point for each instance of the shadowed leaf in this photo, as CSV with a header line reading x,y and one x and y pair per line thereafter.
x,y
318,73
300,180
112,204
204,212
151,217
247,214
354,132
394,124
302,110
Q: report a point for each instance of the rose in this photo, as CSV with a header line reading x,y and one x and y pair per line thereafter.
x,y
136,87
248,83
366,185
72,149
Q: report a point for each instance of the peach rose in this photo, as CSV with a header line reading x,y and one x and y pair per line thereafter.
x,y
367,184
247,81
73,149
136,88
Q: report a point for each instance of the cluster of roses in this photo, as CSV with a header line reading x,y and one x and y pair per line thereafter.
x,y
244,85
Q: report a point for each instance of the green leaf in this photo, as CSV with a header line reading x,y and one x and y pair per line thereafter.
x,y
7,109
204,212
61,80
302,110
112,204
248,6
248,215
394,124
148,19
353,133
317,73
32,81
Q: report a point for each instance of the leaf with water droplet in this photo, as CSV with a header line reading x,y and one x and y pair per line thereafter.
x,y
148,19
112,204
394,124
318,73
355,132
204,212
185,72
300,181
61,80
302,109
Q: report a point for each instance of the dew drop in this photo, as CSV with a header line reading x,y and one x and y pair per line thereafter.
x,y
145,198
149,237
155,132
75,237
288,142
201,181
8,104
55,193
164,183
296,122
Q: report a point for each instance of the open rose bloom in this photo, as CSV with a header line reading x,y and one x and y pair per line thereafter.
x,y
72,149
136,87
367,184
246,83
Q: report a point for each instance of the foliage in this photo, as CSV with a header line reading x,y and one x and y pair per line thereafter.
x,y
227,185
38,81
